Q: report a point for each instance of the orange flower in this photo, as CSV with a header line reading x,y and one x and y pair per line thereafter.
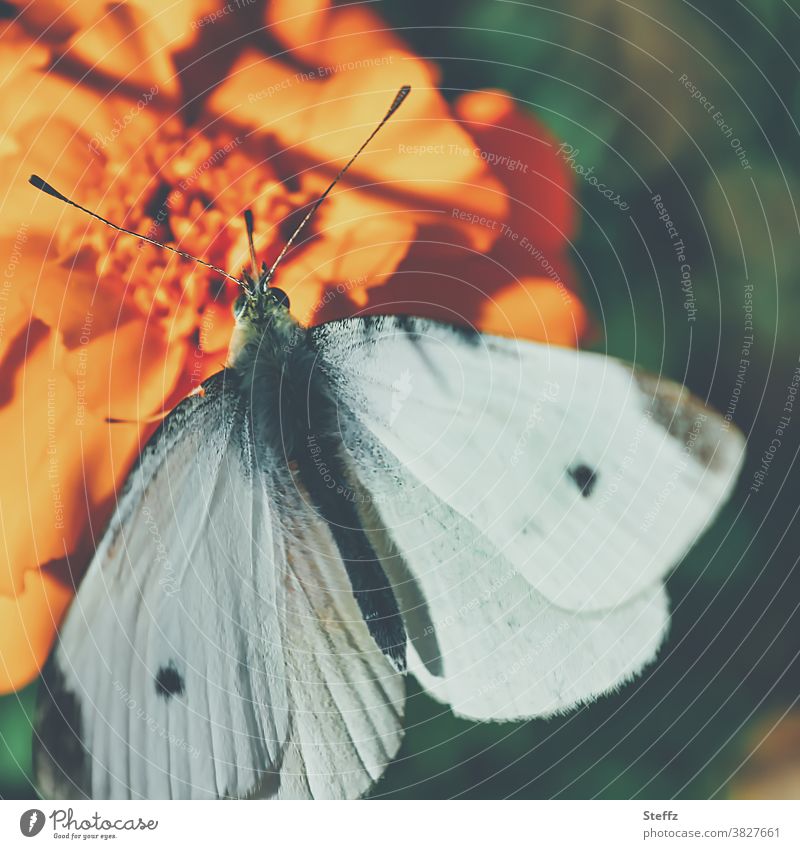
x,y
172,122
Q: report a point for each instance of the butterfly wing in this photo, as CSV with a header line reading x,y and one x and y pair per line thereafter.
x,y
214,648
531,499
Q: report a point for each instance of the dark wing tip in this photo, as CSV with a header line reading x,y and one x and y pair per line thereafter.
x,y
711,439
60,764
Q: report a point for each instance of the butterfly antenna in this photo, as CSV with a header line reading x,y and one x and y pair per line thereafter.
x,y
45,187
399,98
248,220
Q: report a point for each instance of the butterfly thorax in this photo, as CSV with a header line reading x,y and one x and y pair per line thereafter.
x,y
266,348
266,333
293,416
263,341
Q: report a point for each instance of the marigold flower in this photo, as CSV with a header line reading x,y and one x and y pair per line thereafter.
x,y
171,122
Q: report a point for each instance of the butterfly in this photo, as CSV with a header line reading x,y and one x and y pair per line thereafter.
x,y
346,504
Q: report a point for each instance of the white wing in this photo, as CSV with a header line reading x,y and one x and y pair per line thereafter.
x,y
536,497
215,648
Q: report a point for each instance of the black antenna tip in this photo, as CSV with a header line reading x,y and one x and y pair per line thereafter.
x,y
248,222
398,99
44,186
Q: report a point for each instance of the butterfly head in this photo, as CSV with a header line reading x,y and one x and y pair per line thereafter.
x,y
263,320
259,302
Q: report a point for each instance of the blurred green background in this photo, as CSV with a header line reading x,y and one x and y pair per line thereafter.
x,y
605,77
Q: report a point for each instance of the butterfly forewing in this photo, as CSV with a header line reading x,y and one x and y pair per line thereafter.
x,y
215,648
537,495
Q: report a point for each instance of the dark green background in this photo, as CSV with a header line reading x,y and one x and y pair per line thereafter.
x,y
604,77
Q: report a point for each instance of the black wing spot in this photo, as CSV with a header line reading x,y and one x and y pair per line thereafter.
x,y
585,477
169,682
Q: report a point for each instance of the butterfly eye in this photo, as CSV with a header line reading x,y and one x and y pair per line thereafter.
x,y
280,297
238,305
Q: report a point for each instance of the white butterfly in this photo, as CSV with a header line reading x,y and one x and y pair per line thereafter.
x,y
346,503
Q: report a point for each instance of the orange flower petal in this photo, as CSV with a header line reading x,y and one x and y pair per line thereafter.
x,y
176,25
66,462
28,625
18,257
123,43
52,22
360,241
128,372
770,763
298,24
523,154
449,287
325,120
132,41
21,64
538,309
56,22
450,282
327,38
82,127
71,301
216,328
